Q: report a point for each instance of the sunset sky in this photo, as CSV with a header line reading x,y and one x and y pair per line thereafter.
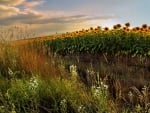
x,y
46,17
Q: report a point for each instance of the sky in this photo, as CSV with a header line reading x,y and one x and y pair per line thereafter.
x,y
46,17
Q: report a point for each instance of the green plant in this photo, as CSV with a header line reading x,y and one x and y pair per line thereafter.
x,y
113,42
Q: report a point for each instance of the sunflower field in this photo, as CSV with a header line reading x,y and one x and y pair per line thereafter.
x,y
116,41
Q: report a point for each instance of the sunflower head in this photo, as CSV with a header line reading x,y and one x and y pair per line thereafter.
x,y
118,26
124,28
86,30
106,29
98,27
144,26
115,27
127,24
137,28
148,27
91,28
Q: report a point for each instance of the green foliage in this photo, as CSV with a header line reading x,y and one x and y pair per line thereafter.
x,y
60,95
114,42
38,96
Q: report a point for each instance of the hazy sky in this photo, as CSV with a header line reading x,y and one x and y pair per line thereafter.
x,y
46,17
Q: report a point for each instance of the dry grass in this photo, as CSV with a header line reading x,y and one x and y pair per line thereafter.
x,y
33,61
24,57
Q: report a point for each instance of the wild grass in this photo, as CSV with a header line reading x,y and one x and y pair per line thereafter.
x,y
35,79
29,84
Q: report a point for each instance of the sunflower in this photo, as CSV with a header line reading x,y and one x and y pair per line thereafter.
x,y
106,29
137,28
127,24
98,27
149,28
91,28
118,26
144,26
115,27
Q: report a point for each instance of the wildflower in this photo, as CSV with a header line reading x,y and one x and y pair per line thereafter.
x,y
130,94
73,70
105,86
81,109
144,88
102,83
90,72
10,72
145,91
63,105
33,83
63,102
96,91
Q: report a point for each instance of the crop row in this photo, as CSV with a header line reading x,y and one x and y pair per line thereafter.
x,y
115,42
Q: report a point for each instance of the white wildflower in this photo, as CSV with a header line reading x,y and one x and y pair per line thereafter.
x,y
105,86
63,105
102,83
81,109
145,88
90,72
33,83
10,72
73,70
130,94
63,101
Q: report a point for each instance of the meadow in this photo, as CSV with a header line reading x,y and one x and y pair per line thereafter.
x,y
95,70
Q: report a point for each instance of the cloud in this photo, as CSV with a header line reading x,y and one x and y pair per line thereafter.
x,y
25,17
15,12
103,17
34,17
32,4
13,15
6,11
11,2
74,19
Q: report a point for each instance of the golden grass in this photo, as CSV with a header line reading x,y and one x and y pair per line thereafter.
x,y
28,59
38,63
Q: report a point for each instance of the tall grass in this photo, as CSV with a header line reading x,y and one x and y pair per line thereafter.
x,y
31,82
33,77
